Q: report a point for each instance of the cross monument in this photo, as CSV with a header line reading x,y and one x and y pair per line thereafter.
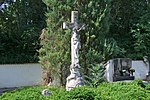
x,y
74,79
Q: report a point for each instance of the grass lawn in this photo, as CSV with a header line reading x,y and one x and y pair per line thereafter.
x,y
135,90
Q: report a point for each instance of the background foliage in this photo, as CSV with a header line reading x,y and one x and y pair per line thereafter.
x,y
20,25
55,51
129,27
115,28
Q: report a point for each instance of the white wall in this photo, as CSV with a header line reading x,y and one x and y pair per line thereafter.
x,y
17,75
141,69
109,71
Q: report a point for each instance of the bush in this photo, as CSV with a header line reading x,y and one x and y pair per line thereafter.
x,y
138,83
30,93
105,91
81,93
33,93
147,87
122,90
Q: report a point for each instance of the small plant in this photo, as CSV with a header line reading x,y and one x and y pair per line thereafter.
x,y
96,75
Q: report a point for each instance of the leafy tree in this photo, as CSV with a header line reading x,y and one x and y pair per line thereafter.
x,y
20,26
141,34
124,16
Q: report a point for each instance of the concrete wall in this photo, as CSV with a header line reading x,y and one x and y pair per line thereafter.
x,y
141,70
109,71
16,75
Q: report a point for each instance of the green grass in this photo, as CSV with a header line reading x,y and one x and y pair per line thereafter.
x,y
135,90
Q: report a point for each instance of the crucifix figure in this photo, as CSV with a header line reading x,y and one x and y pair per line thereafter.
x,y
74,79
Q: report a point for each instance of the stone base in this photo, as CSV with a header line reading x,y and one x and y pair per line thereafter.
x,y
121,78
74,81
148,78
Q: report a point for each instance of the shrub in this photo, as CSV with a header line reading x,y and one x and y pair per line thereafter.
x,y
105,91
32,93
147,87
123,90
138,83
81,93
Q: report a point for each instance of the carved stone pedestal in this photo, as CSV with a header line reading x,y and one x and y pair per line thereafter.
x,y
148,78
74,79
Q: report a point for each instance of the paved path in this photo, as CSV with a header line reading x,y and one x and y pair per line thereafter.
x,y
2,91
5,90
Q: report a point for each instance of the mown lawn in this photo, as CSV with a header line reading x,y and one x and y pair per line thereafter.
x,y
135,90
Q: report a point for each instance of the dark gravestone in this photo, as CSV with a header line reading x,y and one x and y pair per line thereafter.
x,y
123,69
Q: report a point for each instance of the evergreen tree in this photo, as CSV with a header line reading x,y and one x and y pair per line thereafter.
x,y
55,51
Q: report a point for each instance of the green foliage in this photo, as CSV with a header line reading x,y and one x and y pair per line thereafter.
x,y
55,51
95,15
97,61
32,93
110,49
123,90
127,22
105,91
129,27
23,94
81,93
141,35
96,75
147,87
138,83
20,26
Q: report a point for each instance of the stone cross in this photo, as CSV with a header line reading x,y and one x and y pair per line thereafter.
x,y
74,79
